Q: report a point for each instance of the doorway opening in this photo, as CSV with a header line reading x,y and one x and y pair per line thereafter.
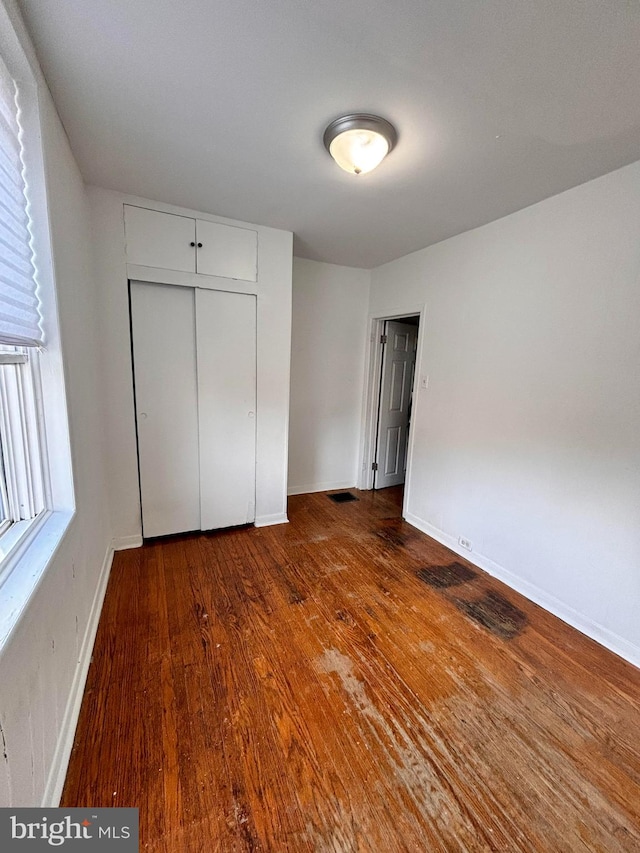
x,y
392,367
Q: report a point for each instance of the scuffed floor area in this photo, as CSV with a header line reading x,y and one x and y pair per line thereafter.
x,y
344,683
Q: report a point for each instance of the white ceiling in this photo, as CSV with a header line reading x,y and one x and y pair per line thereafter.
x,y
220,106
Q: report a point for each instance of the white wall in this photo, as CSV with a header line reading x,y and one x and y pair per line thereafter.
x,y
273,357
527,441
328,347
43,664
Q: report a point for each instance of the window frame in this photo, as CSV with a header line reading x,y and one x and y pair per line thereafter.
x,y
24,417
36,542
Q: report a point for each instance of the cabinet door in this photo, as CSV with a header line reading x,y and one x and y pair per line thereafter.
x,y
164,358
227,251
162,240
226,334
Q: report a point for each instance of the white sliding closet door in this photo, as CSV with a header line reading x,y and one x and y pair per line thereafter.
x,y
226,346
164,356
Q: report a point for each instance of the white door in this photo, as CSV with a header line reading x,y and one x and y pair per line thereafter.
x,y
226,346
164,358
398,367
155,239
227,250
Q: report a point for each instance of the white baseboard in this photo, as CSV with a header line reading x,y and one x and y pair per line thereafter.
x,y
60,763
122,543
610,640
267,520
321,487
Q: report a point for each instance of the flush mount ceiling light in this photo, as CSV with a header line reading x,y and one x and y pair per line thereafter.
x,y
359,142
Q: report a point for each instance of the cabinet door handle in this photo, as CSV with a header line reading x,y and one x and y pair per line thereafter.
x,y
192,245
199,245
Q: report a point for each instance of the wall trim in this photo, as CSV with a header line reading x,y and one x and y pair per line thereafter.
x,y
321,487
190,279
62,754
267,520
122,543
611,641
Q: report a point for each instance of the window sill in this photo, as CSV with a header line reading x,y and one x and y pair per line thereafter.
x,y
34,545
15,535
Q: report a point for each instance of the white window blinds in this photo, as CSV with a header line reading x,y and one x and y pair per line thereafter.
x,y
19,304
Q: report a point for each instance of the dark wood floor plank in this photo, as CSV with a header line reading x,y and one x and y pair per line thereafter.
x,y
303,688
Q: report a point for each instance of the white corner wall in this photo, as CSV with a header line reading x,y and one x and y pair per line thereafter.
x,y
527,441
328,346
44,662
275,249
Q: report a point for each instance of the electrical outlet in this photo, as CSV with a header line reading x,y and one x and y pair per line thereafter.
x,y
465,543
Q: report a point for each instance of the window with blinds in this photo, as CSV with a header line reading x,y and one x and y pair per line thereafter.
x,y
22,477
20,322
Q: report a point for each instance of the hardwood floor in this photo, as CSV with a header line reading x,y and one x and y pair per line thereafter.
x,y
344,683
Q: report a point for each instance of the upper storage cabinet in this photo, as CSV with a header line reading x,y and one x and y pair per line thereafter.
x,y
161,240
168,241
226,251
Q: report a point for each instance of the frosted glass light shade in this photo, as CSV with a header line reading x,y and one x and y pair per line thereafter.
x,y
359,142
359,151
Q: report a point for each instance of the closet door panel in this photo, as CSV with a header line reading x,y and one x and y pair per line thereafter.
x,y
226,345
227,251
164,357
163,240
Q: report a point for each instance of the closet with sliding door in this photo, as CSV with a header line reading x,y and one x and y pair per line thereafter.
x,y
193,342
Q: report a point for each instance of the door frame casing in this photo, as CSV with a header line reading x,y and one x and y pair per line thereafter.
x,y
371,396
387,472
